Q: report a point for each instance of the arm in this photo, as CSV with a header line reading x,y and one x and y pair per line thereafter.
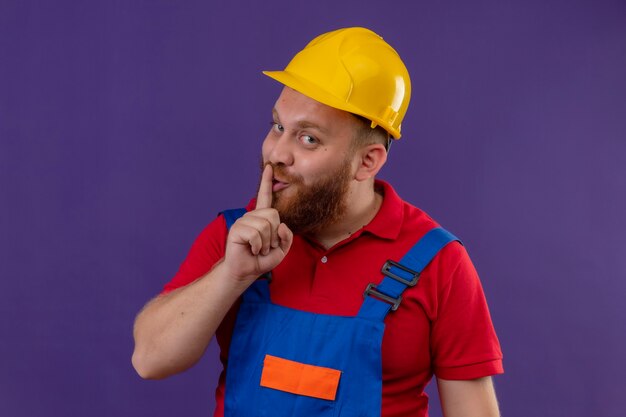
x,y
172,331
471,398
465,346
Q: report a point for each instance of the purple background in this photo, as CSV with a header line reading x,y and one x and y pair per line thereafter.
x,y
126,125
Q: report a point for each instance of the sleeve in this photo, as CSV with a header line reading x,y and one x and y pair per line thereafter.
x,y
206,251
463,340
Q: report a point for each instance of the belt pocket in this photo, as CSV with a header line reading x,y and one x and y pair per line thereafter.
x,y
300,378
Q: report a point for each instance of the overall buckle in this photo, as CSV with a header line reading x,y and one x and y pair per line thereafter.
x,y
373,290
386,270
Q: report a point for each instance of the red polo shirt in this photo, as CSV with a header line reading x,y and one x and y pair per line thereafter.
x,y
442,326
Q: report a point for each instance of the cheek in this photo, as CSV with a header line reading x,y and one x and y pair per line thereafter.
x,y
313,170
308,169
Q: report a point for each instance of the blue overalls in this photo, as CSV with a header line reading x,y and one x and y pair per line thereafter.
x,y
287,362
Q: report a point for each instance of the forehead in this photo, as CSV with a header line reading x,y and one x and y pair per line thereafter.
x,y
294,108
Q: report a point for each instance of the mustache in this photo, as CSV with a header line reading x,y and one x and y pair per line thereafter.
x,y
280,171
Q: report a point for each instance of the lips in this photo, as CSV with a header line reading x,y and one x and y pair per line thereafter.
x,y
278,185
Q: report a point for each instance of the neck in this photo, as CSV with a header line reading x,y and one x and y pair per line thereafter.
x,y
363,204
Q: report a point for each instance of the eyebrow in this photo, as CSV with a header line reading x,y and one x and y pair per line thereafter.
x,y
303,124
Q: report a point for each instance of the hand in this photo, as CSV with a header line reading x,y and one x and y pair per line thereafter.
x,y
258,241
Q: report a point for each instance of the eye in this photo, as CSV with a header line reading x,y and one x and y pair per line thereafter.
x,y
277,126
308,140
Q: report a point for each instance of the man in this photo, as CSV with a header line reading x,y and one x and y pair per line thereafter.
x,y
292,287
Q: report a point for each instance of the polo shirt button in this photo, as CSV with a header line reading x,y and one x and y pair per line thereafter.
x,y
324,259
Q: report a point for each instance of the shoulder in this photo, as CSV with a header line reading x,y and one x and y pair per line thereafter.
x,y
452,261
207,249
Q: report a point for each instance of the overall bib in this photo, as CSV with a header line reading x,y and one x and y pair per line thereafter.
x,y
287,362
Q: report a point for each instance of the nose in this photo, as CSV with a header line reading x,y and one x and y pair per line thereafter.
x,y
278,149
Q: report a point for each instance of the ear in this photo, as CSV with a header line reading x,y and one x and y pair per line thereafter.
x,y
370,159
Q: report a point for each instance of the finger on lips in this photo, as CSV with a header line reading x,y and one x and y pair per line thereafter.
x,y
264,201
269,232
264,198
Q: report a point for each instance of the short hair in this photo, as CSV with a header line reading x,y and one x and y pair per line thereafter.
x,y
366,135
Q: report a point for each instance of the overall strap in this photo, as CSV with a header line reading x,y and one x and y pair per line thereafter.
x,y
232,215
387,295
259,290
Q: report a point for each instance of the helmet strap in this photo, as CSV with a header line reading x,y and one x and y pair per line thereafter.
x,y
388,146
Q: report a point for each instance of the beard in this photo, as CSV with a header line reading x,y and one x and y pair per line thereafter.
x,y
313,206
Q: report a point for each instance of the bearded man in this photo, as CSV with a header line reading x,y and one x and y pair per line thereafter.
x,y
329,295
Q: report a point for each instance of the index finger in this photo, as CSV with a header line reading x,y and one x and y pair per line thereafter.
x,y
264,198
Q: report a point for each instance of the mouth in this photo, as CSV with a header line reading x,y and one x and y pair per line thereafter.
x,y
278,185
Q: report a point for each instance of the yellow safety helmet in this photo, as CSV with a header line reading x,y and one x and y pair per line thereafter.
x,y
355,70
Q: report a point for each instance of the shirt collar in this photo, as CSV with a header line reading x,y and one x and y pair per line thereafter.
x,y
388,221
